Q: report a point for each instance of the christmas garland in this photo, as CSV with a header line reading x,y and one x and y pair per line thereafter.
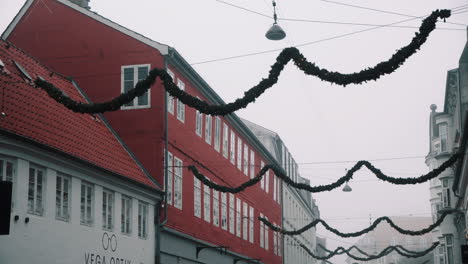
x,y
398,248
358,233
340,249
321,188
287,54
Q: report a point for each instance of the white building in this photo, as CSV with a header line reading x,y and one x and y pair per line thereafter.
x,y
79,195
299,209
447,132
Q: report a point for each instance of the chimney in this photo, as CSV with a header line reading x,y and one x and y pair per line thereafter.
x,y
82,3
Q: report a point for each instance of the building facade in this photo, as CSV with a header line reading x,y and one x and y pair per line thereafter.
x,y
78,194
384,235
447,134
198,224
299,209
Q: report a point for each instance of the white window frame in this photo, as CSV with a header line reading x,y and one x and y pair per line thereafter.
x,y
170,176
266,234
239,153
246,160
274,187
198,123
275,244
208,128
36,197
245,222
225,140
206,203
180,105
135,81
215,208
262,230
252,164
251,224
238,217
262,181
197,197
126,215
224,216
108,209
7,170
170,99
232,148
62,197
267,181
87,204
178,182
217,133
143,220
232,216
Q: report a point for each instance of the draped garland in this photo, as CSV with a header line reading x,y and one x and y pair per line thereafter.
x,y
340,249
321,188
398,248
287,54
358,233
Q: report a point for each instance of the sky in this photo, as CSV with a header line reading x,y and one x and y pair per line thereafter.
x,y
326,127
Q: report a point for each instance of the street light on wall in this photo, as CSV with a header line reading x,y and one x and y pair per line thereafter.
x,y
275,32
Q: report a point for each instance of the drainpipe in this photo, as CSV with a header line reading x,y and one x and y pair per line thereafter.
x,y
157,226
460,120
164,221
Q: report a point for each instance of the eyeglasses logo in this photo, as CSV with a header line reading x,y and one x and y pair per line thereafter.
x,y
109,242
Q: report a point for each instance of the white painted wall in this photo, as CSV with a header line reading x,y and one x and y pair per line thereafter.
x,y
48,240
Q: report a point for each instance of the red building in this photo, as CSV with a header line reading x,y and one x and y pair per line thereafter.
x,y
105,59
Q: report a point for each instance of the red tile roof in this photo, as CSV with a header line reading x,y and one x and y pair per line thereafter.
x,y
32,114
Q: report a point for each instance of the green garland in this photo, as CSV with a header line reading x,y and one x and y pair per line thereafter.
x,y
398,248
365,253
321,188
358,233
368,74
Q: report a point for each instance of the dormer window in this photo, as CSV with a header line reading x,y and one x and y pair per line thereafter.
x,y
131,75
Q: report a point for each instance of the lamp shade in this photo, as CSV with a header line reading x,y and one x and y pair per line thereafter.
x,y
275,33
347,188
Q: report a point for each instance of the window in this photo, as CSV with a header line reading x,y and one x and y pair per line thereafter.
x,y
107,209
233,148
217,133
224,211
6,170
238,218
126,215
180,105
262,181
262,229
130,77
197,197
445,193
62,197
252,164
239,153
441,254
449,248
231,213
206,203
443,136
266,234
142,220
87,204
215,208
198,123
267,181
36,190
208,129
246,160
274,187
178,183
225,140
170,173
251,226
422,243
170,99
245,218
275,243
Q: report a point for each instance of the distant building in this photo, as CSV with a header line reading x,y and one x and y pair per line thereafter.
x,y
299,208
447,130
79,195
384,235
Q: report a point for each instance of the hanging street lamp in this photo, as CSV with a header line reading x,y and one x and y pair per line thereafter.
x,y
275,32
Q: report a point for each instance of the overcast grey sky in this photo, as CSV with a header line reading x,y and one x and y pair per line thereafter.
x,y
318,121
